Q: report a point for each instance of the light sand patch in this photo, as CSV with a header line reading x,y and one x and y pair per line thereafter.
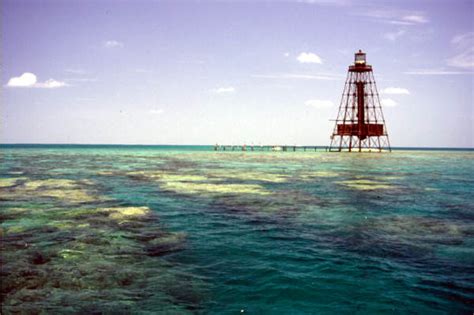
x,y
213,175
218,189
62,189
67,225
8,182
319,174
70,254
389,178
167,177
72,195
195,184
106,173
181,178
365,184
252,176
51,183
123,213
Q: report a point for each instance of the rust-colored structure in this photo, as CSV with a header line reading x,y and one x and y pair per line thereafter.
x,y
360,125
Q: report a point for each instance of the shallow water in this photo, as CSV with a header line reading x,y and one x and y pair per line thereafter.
x,y
189,230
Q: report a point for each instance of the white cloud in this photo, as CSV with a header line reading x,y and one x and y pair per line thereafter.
x,y
319,103
29,80
297,76
156,111
396,17
378,14
287,54
223,90
464,45
395,91
393,36
415,18
306,57
463,39
397,22
50,84
463,60
113,44
388,102
81,80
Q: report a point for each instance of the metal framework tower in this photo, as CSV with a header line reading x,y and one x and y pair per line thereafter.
x,y
360,125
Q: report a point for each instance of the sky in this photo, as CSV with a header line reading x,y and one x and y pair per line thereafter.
x,y
231,72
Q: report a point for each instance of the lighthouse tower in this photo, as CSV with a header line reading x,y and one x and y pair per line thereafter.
x,y
360,125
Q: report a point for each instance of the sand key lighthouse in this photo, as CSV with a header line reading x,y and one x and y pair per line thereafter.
x,y
360,124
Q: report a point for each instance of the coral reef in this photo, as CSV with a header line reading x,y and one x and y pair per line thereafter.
x,y
85,257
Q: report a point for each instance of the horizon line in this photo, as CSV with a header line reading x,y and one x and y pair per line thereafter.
x,y
212,145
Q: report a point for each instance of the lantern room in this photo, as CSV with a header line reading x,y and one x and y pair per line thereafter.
x,y
359,58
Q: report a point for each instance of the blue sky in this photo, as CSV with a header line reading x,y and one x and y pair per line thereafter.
x,y
205,72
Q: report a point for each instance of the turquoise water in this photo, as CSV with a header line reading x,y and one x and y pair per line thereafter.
x,y
143,229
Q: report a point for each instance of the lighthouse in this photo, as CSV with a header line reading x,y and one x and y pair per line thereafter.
x,y
360,124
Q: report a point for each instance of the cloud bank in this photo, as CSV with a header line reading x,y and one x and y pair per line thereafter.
x,y
29,80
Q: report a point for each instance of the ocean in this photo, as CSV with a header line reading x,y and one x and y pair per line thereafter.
x,y
187,230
